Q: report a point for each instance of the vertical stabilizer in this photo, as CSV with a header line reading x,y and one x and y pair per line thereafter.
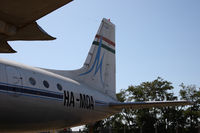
x,y
98,70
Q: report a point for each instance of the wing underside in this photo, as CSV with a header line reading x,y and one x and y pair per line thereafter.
x,y
22,12
148,104
18,20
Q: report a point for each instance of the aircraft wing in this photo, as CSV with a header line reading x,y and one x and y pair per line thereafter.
x,y
18,20
22,12
148,104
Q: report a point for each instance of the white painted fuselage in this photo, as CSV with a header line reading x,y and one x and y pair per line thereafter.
x,y
37,99
26,103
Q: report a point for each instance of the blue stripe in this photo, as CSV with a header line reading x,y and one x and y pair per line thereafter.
x,y
98,62
28,95
19,86
4,88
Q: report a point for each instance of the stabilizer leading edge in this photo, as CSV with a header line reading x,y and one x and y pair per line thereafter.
x,y
148,104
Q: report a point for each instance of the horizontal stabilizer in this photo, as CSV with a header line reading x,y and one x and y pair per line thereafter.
x,y
31,32
6,48
148,104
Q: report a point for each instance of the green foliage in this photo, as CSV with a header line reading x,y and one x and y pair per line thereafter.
x,y
167,119
191,113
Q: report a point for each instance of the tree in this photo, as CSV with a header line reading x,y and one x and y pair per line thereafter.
x,y
192,112
165,119
157,90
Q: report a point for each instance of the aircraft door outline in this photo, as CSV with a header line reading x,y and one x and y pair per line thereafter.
x,y
13,76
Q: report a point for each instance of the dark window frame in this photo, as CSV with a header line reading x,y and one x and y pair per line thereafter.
x,y
32,81
59,87
46,84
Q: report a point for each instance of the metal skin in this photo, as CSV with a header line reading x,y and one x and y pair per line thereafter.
x,y
18,20
22,111
36,99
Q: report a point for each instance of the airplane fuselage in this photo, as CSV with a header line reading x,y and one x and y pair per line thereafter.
x,y
37,99
33,98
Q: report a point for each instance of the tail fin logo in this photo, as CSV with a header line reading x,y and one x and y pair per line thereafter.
x,y
97,65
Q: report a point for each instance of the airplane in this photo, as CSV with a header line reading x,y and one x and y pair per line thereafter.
x,y
38,99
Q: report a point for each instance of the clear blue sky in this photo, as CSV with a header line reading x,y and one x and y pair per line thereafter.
x,y
153,38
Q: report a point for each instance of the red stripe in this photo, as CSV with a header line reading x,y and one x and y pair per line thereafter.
x,y
106,40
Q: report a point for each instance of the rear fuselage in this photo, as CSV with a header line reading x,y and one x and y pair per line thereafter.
x,y
33,98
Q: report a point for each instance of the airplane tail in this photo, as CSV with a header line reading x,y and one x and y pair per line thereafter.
x,y
98,70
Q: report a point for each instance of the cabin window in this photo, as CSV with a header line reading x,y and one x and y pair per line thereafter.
x,y
32,81
46,84
59,87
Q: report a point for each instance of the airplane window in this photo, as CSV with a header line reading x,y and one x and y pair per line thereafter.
x,y
59,87
46,84
32,81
